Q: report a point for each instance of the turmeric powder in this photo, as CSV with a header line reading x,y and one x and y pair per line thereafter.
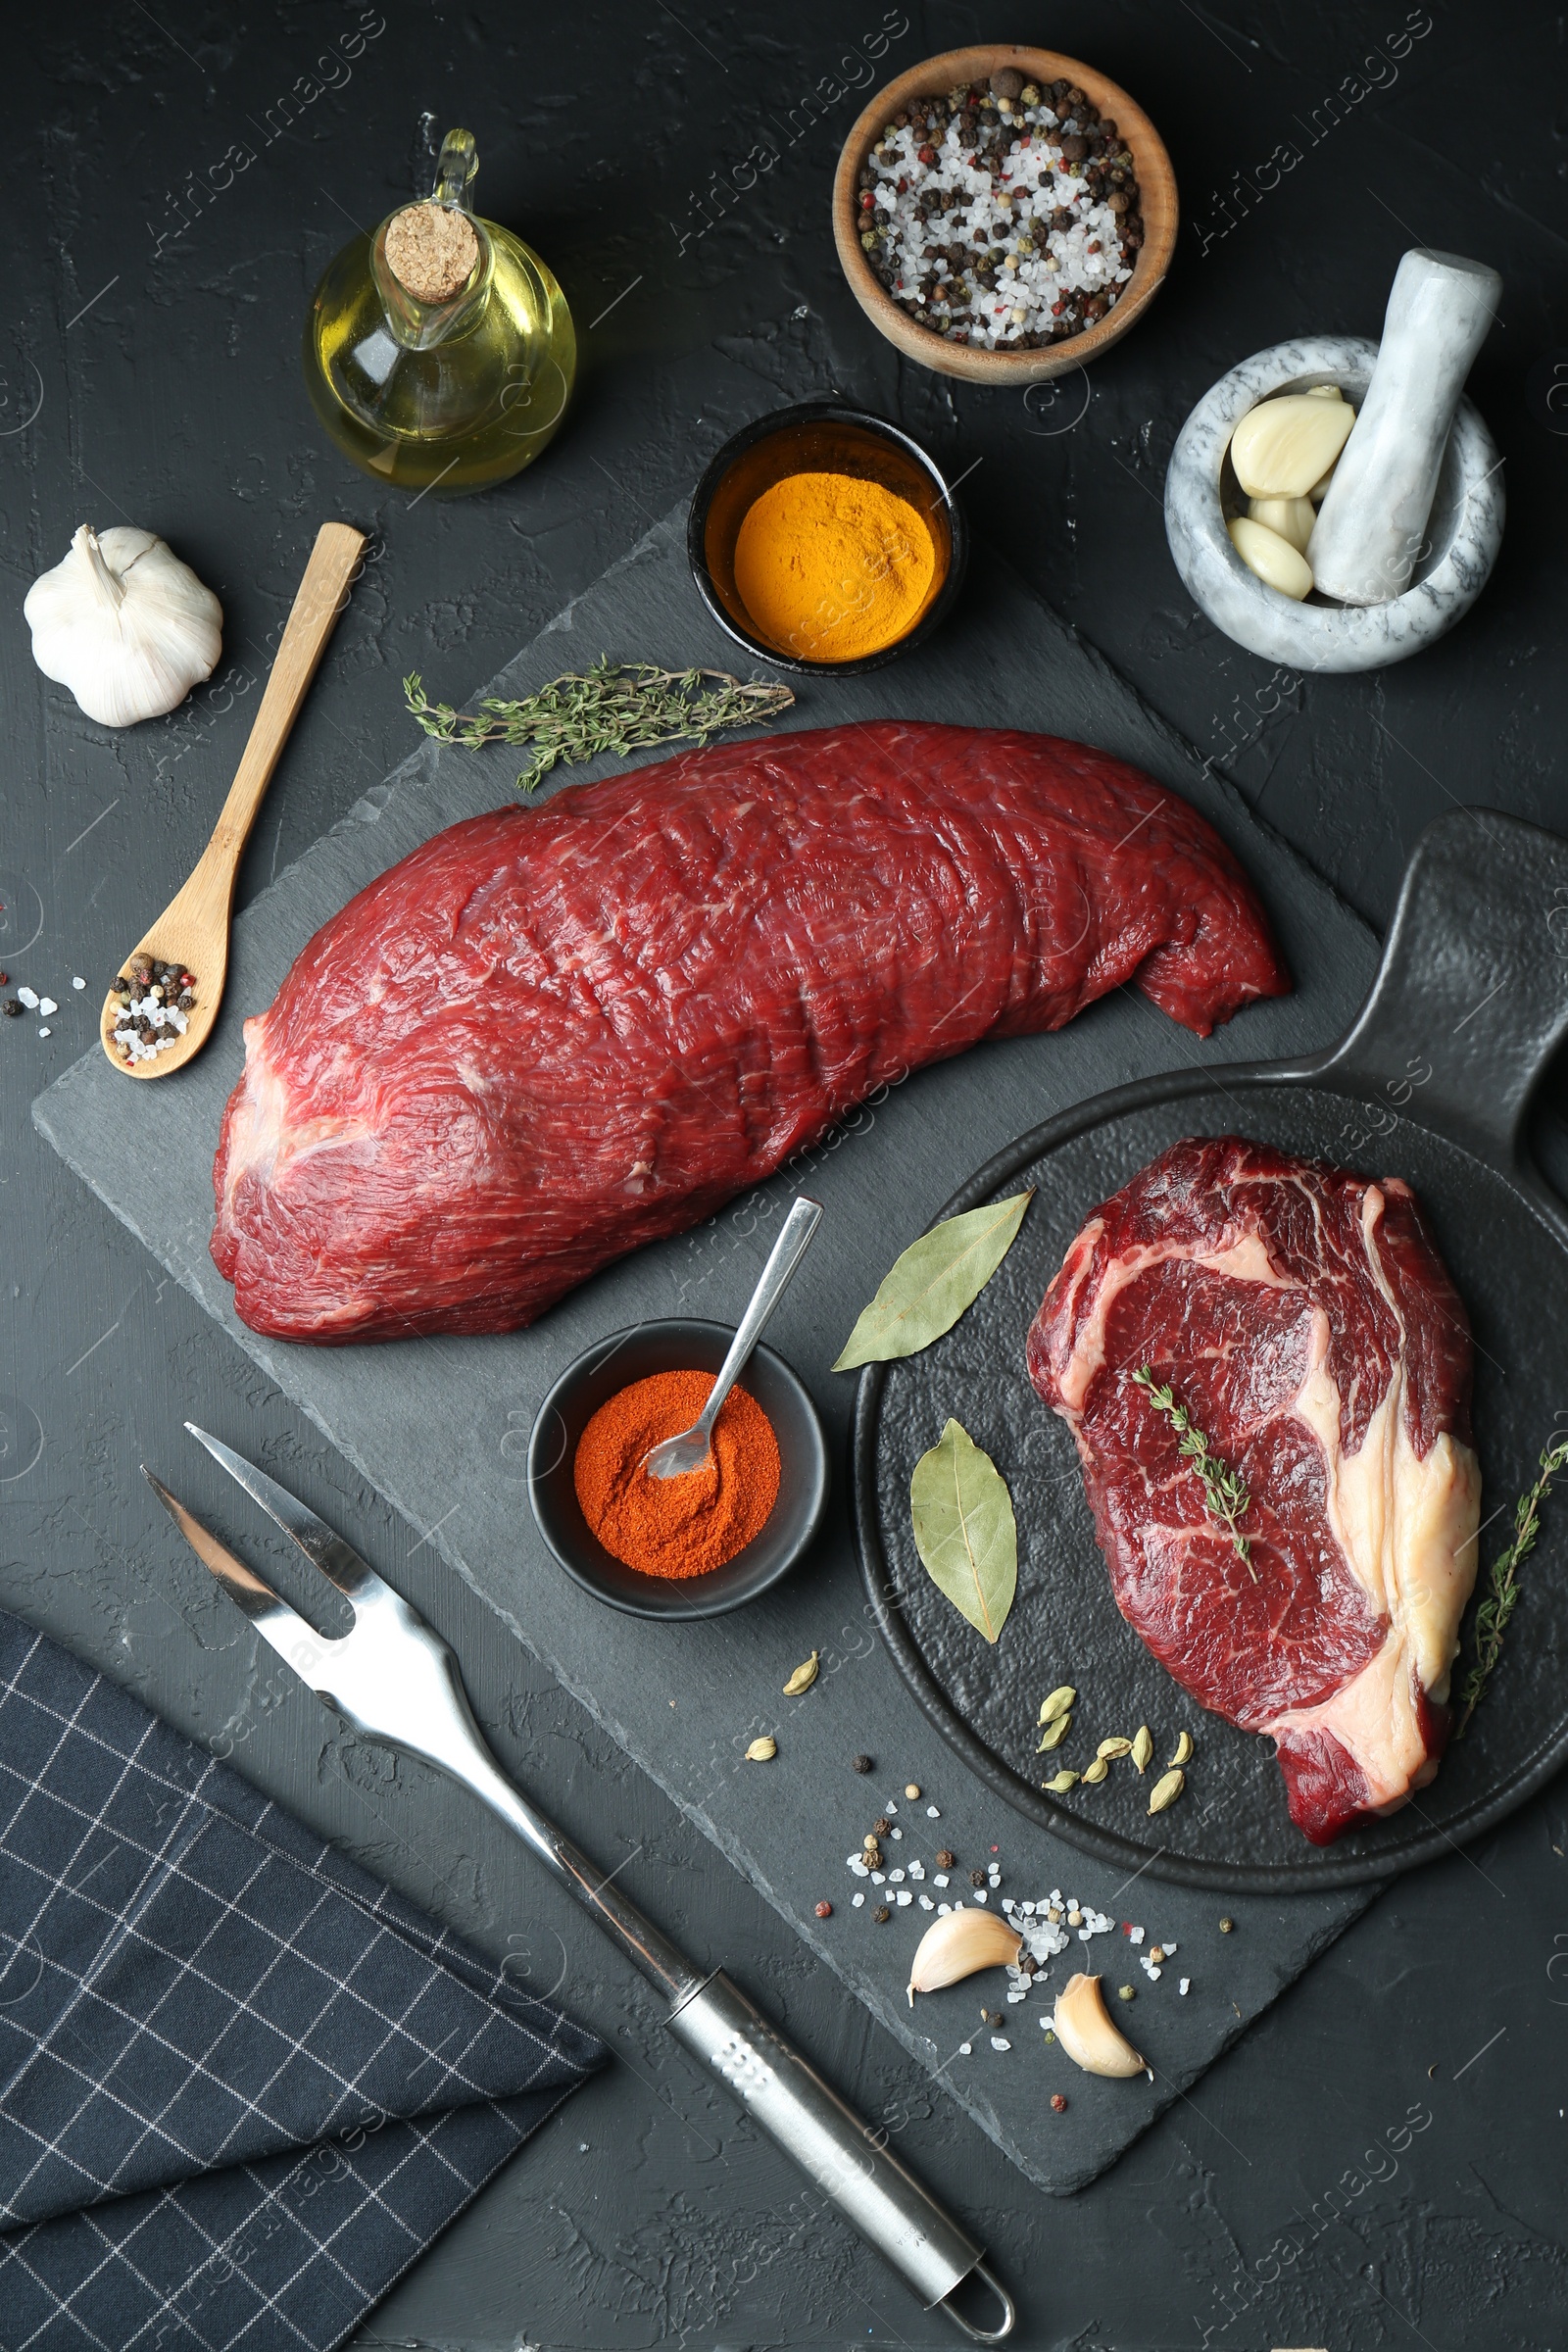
x,y
832,569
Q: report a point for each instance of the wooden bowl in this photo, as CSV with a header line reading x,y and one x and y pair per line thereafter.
x,y
1157,184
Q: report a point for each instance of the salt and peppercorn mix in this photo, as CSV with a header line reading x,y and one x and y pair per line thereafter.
x,y
1006,217
156,999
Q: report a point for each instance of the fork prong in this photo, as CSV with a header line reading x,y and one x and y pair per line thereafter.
x,y
277,1623
321,1546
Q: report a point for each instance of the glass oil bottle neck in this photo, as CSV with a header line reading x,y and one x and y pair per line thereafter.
x,y
421,325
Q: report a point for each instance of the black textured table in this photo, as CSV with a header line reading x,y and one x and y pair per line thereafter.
x,y
1382,2158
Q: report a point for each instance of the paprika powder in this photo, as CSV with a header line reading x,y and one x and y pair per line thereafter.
x,y
675,1527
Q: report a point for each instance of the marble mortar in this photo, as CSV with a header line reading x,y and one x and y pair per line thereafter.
x,y
1464,531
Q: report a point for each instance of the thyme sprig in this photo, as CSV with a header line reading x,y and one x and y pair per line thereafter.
x,y
1503,1584
618,706
1225,1495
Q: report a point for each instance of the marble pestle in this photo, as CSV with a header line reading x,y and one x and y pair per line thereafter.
x,y
1367,541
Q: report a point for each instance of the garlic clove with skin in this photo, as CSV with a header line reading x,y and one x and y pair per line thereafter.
x,y
957,1945
1085,2032
124,624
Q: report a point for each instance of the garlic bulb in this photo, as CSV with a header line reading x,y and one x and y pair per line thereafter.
x,y
1085,2033
124,624
955,1946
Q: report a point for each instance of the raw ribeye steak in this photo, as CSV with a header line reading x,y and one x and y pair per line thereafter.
x,y
1305,1323
552,1034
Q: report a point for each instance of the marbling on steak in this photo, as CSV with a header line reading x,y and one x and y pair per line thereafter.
x,y
552,1034
1304,1318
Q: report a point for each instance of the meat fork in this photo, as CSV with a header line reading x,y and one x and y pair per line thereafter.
x,y
395,1680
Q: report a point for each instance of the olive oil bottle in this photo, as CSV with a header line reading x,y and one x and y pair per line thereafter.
x,y
439,353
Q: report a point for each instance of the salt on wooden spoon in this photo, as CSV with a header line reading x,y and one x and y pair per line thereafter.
x,y
192,932
1366,542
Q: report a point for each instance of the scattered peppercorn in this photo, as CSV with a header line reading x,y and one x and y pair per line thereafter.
x,y
944,1860
1058,2105
977,1877
912,1789
9,1008
824,1910
1126,1993
1225,1925
881,1914
881,1826
860,1764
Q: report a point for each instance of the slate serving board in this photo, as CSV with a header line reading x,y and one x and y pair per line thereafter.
x,y
440,1426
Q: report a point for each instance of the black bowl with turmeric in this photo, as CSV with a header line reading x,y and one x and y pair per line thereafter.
x,y
825,540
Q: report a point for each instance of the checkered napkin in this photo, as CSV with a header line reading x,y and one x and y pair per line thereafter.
x,y
242,2086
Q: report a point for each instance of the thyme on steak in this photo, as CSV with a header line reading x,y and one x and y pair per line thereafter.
x,y
1503,1585
618,706
1225,1495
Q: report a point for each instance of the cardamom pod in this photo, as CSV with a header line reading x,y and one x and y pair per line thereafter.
x,y
1057,1703
1095,1773
803,1678
1056,1734
1184,1749
1142,1747
1115,1748
1062,1784
1165,1792
761,1751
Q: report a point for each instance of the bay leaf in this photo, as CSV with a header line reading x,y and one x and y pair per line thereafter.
x,y
926,1290
965,1529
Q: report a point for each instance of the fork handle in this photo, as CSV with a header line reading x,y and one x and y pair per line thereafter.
x,y
849,2160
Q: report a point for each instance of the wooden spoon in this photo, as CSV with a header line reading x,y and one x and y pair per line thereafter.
x,y
193,929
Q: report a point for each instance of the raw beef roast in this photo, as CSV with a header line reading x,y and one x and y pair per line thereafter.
x,y
552,1034
1306,1324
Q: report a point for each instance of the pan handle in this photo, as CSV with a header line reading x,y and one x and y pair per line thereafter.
x,y
1471,1000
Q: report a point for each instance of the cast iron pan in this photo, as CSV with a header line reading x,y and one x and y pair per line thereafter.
x,y
1432,1084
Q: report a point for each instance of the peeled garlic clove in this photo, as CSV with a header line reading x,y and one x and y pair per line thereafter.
x,y
1320,489
1282,447
957,1945
1085,2031
1325,392
1276,563
1291,518
124,624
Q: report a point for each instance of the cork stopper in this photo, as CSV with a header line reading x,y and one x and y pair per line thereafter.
x,y
431,250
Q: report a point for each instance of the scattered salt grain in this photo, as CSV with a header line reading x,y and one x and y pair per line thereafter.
x,y
895,1877
932,1814
1000,2042
941,1879
1184,1984
966,2049
855,1900
46,1032
895,1832
981,1894
943,1910
29,998
1136,1935
77,981
926,1903
47,1005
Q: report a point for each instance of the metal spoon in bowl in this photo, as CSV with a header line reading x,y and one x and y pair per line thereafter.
x,y
677,1456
